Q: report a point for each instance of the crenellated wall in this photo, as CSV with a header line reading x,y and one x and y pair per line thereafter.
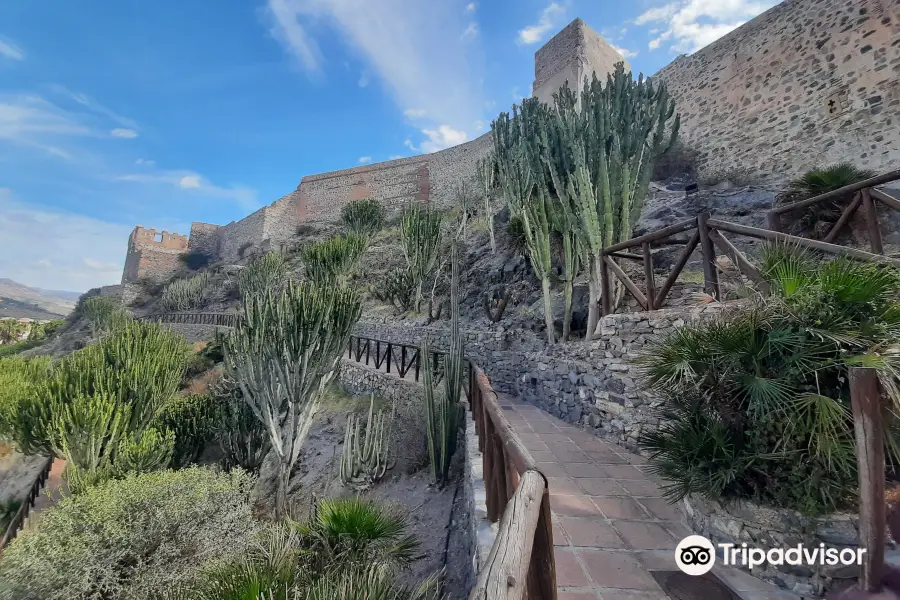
x,y
807,83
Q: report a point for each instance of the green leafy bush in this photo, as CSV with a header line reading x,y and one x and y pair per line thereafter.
x,y
131,539
269,271
186,294
18,347
192,419
363,217
757,403
515,234
819,218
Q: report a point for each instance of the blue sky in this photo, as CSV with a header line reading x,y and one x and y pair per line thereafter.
x,y
163,113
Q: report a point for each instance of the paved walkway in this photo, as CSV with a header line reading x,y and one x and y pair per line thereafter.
x,y
611,525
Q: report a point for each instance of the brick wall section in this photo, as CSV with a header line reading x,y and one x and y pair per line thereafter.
x,y
237,234
807,83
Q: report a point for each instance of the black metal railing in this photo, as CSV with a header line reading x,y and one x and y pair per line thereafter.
x,y
208,318
402,358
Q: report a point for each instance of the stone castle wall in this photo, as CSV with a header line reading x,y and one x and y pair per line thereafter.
x,y
805,84
570,56
152,254
204,239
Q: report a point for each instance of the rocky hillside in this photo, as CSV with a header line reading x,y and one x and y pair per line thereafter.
x,y
20,301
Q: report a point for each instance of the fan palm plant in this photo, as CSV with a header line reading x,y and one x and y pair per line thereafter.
x,y
819,218
757,403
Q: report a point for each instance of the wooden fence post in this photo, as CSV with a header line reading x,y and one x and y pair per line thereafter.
x,y
650,282
710,274
605,289
872,222
865,398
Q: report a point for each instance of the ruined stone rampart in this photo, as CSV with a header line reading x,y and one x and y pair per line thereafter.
x,y
805,84
152,254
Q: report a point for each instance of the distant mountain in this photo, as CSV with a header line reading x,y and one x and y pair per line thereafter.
x,y
21,301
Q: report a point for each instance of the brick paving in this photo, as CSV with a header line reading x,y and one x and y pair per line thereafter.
x,y
611,525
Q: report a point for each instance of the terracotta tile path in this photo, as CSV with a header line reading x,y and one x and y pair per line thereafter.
x,y
611,525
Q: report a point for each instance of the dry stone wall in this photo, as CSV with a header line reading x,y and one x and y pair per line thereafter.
x,y
152,254
595,386
805,84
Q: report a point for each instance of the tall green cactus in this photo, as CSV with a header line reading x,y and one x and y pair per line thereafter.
x,y
420,236
185,294
283,352
264,273
443,410
484,171
366,456
332,261
565,224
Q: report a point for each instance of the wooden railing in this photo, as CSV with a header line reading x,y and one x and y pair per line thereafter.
x,y
19,518
208,318
520,563
402,357
709,234
865,195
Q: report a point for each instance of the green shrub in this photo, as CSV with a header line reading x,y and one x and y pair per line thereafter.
x,y
8,510
363,217
19,379
186,294
331,262
194,260
104,314
369,584
357,532
269,271
397,288
132,538
192,419
241,436
515,234
819,218
18,347
757,403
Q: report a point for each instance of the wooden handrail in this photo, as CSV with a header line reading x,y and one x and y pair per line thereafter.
x,y
198,318
19,518
521,563
840,192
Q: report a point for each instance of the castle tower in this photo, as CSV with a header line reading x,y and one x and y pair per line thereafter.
x,y
572,55
152,254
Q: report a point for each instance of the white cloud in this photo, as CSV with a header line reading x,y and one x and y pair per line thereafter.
x,y
144,162
192,182
76,252
364,160
549,19
414,113
412,47
29,120
442,137
409,144
395,156
625,52
516,96
470,7
471,31
364,79
9,50
124,133
693,24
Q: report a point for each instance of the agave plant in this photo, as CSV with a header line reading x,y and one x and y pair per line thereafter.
x,y
757,403
818,218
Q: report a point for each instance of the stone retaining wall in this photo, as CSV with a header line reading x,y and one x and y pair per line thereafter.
x,y
764,527
591,385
